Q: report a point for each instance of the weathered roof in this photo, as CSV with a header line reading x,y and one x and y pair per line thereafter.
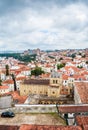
x,y
73,108
37,81
8,127
85,127
48,127
16,96
8,81
4,87
82,120
82,89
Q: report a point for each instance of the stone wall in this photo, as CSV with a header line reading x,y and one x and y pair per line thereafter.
x,y
6,101
32,109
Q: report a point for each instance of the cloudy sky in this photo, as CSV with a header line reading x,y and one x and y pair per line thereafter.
x,y
44,24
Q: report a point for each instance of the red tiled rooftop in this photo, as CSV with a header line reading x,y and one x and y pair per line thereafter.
x,y
73,109
85,73
9,81
72,67
21,99
5,127
78,77
21,78
37,81
4,87
16,96
65,77
46,75
24,68
49,127
85,127
48,66
82,120
82,89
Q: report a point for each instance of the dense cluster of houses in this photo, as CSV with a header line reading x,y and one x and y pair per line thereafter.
x,y
67,80
73,74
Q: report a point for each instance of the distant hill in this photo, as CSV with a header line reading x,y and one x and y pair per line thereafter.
x,y
24,58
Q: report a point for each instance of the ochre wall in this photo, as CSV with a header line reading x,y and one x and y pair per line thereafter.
x,y
26,89
33,89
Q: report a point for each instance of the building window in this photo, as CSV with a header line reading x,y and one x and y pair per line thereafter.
x,y
46,93
54,81
53,92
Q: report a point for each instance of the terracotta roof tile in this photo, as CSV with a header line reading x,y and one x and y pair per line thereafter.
x,y
79,77
72,67
73,108
65,77
48,66
21,78
16,96
46,75
48,127
85,127
4,87
9,81
37,81
5,127
82,120
82,88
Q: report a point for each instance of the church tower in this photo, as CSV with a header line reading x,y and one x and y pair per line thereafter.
x,y
55,84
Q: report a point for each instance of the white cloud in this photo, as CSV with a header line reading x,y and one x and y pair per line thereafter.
x,y
51,27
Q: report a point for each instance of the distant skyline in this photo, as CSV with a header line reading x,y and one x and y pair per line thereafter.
x,y
44,24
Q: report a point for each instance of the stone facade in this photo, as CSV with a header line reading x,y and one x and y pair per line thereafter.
x,y
26,89
50,88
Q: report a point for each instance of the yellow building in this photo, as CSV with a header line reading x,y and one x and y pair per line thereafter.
x,y
49,87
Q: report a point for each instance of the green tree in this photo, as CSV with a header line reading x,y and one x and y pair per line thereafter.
x,y
20,57
60,65
60,59
80,67
83,56
86,62
0,82
7,70
14,80
37,71
80,53
73,55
